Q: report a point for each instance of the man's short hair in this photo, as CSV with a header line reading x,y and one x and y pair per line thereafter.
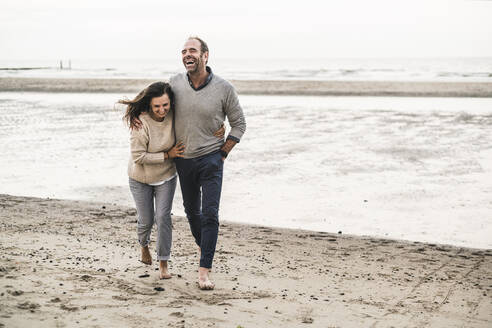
x,y
203,44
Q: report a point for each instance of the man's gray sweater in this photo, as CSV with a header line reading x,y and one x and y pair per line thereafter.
x,y
199,113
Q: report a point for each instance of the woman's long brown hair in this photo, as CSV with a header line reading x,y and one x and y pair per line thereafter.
x,y
141,103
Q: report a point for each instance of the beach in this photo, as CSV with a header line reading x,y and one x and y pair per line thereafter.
x,y
348,204
262,87
72,263
358,193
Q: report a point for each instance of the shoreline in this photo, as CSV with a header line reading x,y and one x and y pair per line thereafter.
x,y
262,87
73,261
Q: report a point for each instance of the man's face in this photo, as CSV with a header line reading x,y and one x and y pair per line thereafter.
x,y
193,58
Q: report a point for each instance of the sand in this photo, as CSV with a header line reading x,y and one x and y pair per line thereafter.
x,y
71,263
319,88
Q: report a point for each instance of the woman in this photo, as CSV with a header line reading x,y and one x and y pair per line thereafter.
x,y
151,169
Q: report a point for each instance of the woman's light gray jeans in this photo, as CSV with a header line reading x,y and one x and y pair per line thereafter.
x,y
154,204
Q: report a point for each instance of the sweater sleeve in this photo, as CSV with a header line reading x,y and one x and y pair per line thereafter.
x,y
235,115
139,141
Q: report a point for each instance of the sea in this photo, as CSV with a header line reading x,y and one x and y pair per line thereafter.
x,y
317,69
407,168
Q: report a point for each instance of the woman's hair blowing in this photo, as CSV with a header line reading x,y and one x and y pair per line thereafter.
x,y
141,103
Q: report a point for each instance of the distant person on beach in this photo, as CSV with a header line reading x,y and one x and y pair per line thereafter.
x,y
203,101
151,169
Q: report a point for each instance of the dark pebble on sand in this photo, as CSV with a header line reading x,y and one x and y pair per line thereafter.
x,y
179,276
159,289
101,270
69,308
55,300
340,232
307,320
85,277
27,306
15,292
104,207
144,276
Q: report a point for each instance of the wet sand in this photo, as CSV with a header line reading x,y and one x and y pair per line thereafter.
x,y
71,263
256,87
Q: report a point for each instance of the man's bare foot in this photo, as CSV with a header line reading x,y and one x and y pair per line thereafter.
x,y
164,273
200,255
146,258
203,279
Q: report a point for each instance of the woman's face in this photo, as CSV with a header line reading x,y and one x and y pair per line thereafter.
x,y
159,107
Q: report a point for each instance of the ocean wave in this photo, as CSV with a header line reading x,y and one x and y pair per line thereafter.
x,y
22,68
473,70
467,74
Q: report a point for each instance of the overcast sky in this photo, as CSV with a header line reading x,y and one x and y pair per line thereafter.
x,y
241,29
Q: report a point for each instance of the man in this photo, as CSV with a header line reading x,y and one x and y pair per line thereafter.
x,y
203,101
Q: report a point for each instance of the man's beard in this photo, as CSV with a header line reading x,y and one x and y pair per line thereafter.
x,y
197,66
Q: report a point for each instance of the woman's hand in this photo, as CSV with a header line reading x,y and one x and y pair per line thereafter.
x,y
176,151
220,132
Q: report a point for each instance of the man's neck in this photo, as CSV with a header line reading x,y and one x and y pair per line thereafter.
x,y
198,78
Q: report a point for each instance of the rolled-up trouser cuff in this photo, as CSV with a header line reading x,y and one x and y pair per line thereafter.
x,y
205,264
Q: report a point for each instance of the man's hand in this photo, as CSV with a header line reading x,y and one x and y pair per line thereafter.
x,y
135,124
176,151
227,147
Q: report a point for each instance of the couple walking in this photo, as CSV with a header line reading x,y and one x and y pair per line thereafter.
x,y
177,130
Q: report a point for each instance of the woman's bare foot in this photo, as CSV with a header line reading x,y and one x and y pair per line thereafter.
x,y
164,273
203,279
146,258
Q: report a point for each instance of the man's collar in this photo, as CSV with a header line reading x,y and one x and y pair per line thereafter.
x,y
209,78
